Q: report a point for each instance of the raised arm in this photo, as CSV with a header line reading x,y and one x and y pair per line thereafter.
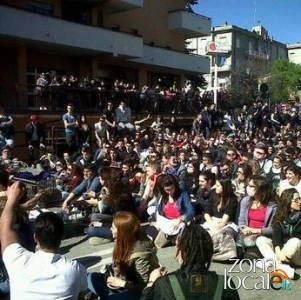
x,y
8,235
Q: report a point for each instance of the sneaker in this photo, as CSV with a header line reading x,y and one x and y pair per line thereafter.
x,y
95,241
265,264
287,269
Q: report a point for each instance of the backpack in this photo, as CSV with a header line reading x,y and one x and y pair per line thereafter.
x,y
179,295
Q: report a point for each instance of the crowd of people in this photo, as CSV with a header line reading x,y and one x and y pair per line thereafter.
x,y
54,92
227,187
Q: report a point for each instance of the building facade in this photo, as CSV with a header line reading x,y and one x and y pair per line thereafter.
x,y
250,53
294,53
134,40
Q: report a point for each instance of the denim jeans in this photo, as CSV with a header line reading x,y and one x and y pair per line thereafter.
x,y
4,288
97,285
102,232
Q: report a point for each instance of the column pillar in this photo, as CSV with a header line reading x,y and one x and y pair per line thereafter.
x,y
94,66
94,16
142,77
58,8
182,80
21,76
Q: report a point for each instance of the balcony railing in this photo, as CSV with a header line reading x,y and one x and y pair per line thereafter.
x,y
116,6
27,26
174,60
258,55
190,24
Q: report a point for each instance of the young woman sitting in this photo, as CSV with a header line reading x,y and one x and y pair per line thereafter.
x,y
285,244
206,182
173,211
134,259
219,216
256,212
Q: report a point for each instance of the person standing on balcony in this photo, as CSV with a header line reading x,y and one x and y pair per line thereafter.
x,y
71,123
35,138
41,85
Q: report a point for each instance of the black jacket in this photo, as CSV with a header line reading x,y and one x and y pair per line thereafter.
x,y
162,289
29,129
286,230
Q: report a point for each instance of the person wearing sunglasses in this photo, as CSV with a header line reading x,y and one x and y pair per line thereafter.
x,y
285,244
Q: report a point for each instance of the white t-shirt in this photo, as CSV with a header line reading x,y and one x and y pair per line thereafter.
x,y
42,275
285,185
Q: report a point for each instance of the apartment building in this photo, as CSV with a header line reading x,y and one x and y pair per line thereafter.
x,y
250,52
135,40
294,53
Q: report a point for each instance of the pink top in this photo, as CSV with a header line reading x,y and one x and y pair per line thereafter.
x,y
171,211
256,217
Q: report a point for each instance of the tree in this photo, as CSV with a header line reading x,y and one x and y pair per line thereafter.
x,y
283,80
243,89
197,81
190,3
244,81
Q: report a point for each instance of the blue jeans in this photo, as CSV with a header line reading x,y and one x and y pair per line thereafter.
x,y
4,288
97,285
102,232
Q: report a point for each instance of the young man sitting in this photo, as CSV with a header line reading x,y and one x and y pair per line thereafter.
x,y
43,274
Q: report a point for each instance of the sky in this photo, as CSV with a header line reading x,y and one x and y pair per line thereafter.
x,y
282,18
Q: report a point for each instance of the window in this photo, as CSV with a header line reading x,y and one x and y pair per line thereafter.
x,y
221,60
256,46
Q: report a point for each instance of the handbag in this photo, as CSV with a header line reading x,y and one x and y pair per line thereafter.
x,y
246,241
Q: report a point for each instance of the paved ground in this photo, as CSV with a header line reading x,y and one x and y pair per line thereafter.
x,y
93,256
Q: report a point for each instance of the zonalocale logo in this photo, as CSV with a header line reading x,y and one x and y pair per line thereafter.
x,y
244,274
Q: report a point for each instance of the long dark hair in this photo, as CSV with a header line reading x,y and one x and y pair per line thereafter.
x,y
209,176
120,197
284,205
169,180
247,171
196,248
263,189
227,194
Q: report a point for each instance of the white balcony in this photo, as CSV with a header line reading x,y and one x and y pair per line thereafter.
x,y
224,68
116,6
43,30
155,56
190,24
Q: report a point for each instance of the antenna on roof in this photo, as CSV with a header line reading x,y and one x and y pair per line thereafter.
x,y
255,12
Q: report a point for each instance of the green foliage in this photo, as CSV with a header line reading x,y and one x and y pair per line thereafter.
x,y
283,80
243,89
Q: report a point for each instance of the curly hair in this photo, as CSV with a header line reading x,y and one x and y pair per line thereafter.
x,y
284,205
196,247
